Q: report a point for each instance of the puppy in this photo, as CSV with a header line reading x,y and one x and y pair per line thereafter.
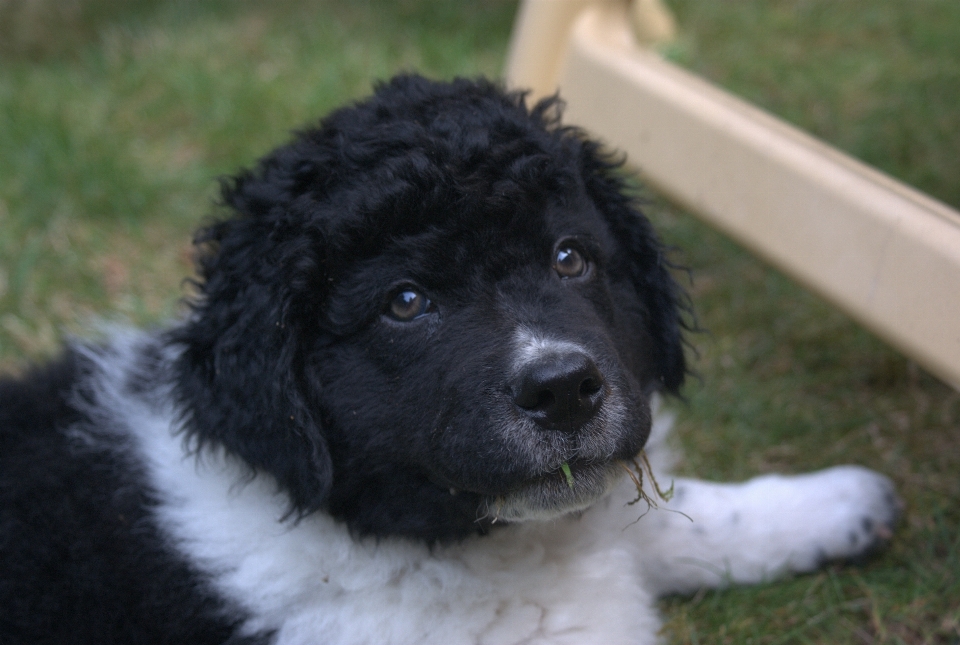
x,y
402,409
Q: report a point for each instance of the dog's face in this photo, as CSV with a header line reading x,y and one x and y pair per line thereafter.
x,y
435,311
482,354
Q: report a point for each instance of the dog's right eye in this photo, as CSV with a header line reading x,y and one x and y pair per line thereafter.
x,y
408,305
569,263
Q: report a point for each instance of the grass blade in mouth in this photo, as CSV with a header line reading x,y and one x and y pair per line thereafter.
x,y
565,467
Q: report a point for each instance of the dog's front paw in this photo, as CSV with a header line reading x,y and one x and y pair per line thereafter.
x,y
765,527
843,513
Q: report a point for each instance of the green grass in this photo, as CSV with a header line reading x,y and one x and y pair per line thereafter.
x,y
116,118
109,150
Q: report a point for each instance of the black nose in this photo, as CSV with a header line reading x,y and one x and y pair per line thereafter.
x,y
560,391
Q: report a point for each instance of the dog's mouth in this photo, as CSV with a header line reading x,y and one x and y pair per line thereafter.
x,y
570,487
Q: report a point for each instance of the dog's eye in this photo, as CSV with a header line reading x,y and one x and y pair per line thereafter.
x,y
409,305
569,263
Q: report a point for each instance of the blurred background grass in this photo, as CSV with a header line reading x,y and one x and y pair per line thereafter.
x,y
117,116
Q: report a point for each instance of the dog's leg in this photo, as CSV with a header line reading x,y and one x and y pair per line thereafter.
x,y
713,534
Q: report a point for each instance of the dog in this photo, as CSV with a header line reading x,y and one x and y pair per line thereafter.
x,y
407,405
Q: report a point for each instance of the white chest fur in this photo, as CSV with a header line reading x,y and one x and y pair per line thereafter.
x,y
569,581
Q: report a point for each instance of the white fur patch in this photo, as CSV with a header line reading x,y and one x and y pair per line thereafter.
x,y
530,346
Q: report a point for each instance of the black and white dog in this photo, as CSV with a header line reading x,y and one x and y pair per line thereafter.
x,y
425,347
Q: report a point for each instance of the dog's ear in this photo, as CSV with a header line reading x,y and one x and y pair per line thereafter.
x,y
666,305
664,300
239,376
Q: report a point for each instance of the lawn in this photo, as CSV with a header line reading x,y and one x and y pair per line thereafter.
x,y
118,116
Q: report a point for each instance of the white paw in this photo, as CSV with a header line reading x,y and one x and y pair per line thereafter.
x,y
762,528
842,513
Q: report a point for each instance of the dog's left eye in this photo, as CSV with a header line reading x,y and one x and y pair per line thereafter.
x,y
569,263
409,305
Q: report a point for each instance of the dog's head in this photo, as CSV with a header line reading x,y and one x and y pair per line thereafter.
x,y
435,309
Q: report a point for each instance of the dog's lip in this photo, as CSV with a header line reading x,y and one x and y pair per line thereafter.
x,y
552,494
580,469
577,466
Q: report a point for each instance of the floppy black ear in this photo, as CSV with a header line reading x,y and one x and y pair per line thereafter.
x,y
665,302
239,376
